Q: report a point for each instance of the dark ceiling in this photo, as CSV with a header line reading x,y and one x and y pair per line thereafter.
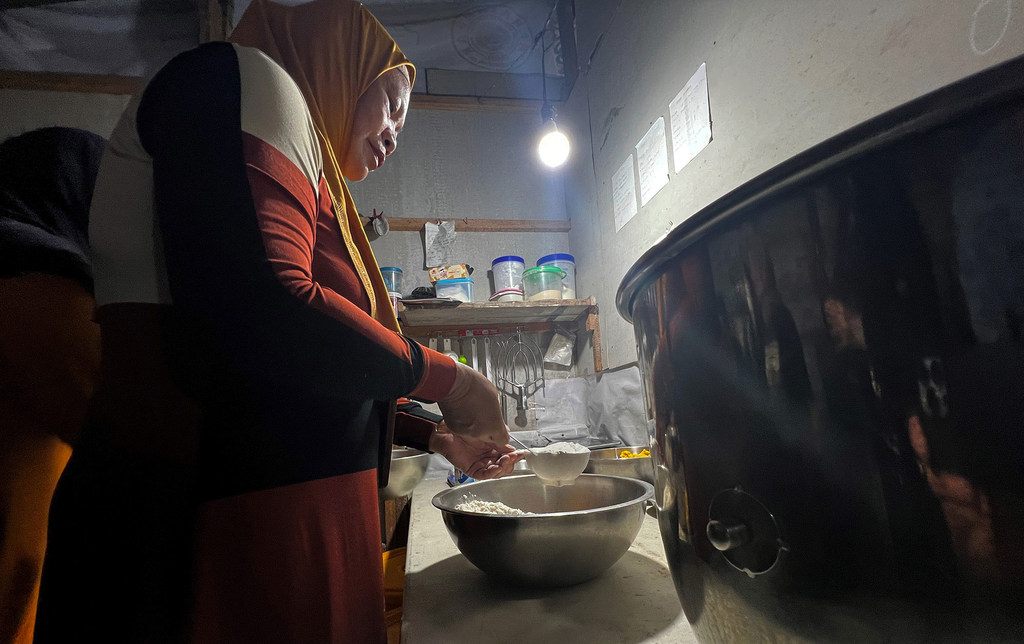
x,y
478,48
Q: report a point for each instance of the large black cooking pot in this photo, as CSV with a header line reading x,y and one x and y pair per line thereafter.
x,y
834,363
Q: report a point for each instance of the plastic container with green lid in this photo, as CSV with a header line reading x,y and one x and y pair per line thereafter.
x,y
567,263
543,283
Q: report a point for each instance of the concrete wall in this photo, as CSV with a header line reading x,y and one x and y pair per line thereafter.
x,y
450,165
782,76
468,165
24,110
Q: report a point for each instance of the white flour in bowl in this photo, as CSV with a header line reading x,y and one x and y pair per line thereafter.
x,y
488,507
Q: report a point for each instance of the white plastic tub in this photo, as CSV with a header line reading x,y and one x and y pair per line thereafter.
x,y
508,272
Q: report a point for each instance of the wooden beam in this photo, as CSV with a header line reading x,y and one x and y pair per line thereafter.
x,y
213,28
476,104
213,20
64,82
19,4
483,225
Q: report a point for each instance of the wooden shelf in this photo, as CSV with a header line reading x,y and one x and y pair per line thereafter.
x,y
464,225
496,318
481,314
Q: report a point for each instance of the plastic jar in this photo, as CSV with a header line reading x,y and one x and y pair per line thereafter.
x,y
543,283
460,289
567,263
392,278
508,272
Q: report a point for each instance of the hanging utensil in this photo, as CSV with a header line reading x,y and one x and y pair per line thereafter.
x,y
380,223
519,371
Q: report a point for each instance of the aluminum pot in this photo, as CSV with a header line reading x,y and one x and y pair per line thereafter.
x,y
833,356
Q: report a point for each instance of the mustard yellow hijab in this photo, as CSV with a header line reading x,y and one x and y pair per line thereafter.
x,y
334,50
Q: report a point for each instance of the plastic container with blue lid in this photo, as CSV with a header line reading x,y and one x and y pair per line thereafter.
x,y
508,272
567,263
460,288
392,278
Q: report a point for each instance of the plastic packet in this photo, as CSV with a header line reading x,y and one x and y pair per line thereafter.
x,y
560,348
454,271
458,477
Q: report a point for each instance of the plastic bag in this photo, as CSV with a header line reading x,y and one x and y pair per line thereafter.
x,y
560,348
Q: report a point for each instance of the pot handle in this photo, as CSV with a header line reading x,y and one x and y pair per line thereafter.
x,y
726,536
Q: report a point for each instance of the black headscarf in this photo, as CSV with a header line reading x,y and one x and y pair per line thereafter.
x,y
46,182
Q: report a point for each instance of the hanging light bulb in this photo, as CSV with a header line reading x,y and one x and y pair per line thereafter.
x,y
554,147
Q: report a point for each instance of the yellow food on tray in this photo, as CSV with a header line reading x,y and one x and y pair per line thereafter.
x,y
628,454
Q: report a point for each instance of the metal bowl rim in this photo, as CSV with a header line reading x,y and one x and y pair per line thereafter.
x,y
412,452
648,493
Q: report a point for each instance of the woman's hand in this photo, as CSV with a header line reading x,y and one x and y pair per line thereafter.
x,y
471,408
477,458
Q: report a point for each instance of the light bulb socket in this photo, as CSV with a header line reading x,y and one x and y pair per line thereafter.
x,y
547,112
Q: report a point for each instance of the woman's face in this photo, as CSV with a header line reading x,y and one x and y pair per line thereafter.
x,y
379,117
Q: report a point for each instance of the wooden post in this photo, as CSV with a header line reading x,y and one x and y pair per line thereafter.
x,y
214,19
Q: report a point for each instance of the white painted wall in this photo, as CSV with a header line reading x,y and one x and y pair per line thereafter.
x,y
471,165
782,77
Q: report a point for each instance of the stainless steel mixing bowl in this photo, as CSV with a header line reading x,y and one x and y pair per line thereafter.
x,y
575,533
408,467
608,461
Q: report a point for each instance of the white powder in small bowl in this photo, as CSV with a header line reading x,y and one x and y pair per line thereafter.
x,y
567,447
558,464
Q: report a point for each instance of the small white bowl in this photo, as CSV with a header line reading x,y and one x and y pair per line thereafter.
x,y
555,467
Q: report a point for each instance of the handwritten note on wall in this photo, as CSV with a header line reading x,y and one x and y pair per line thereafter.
x,y
690,115
624,193
652,160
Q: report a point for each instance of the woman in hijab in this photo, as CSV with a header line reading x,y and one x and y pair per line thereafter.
x,y
49,345
251,358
